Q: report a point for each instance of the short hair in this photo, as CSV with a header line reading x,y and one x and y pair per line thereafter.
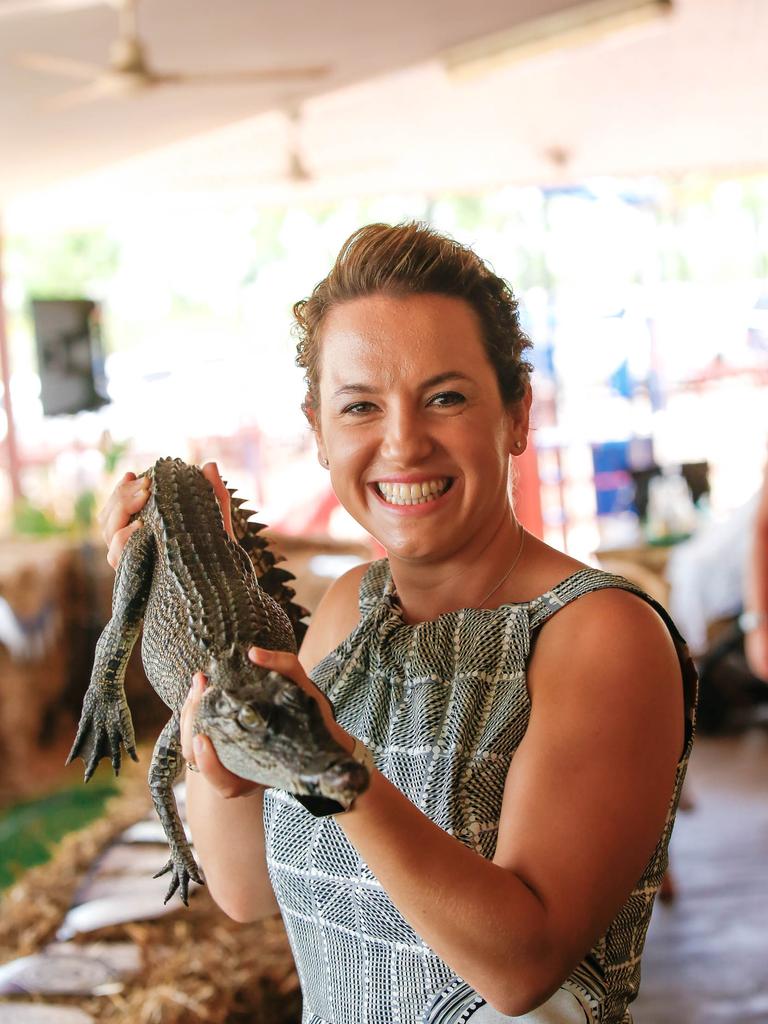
x,y
415,259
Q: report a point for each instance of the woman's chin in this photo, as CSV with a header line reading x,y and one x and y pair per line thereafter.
x,y
405,536
410,546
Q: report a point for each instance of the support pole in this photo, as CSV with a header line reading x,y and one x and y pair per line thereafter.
x,y
528,490
12,456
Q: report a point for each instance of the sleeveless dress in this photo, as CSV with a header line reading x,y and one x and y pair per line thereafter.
x,y
442,705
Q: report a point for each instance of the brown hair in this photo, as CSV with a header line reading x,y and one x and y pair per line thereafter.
x,y
414,259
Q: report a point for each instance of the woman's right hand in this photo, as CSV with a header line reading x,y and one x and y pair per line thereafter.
x,y
130,496
200,752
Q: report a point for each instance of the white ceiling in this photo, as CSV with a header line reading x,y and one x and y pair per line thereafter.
x,y
356,39
688,91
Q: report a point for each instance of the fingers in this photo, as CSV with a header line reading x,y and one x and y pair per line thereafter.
x,y
189,713
200,751
288,665
128,498
119,541
225,782
284,662
211,474
126,479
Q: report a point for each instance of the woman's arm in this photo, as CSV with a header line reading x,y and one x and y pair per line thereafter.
x,y
228,835
584,806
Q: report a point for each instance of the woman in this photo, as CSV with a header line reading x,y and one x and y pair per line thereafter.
x,y
529,746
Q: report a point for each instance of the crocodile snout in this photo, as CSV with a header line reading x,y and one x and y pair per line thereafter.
x,y
344,781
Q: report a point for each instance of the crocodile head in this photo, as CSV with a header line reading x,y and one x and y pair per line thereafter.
x,y
264,727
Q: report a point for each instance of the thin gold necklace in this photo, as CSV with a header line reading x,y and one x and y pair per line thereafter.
x,y
506,575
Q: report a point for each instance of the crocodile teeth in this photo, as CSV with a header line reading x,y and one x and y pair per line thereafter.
x,y
413,494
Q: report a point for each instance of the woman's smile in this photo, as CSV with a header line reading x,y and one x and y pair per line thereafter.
x,y
403,495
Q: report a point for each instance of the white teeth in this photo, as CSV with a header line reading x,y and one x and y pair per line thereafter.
x,y
412,494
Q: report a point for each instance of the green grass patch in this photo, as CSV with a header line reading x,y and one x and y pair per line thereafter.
x,y
29,830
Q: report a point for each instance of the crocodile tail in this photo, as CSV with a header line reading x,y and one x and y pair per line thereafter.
x,y
272,580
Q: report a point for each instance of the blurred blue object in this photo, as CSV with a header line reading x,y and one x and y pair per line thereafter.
x,y
613,463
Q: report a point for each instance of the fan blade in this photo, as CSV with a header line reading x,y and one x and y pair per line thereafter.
x,y
238,77
84,94
58,65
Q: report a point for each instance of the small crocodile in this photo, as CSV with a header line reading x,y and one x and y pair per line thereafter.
x,y
204,599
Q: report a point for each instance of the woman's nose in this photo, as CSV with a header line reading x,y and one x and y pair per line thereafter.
x,y
406,439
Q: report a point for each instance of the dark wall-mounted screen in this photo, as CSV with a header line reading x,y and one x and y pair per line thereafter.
x,y
70,355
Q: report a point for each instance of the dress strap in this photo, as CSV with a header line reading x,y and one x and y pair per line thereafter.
x,y
585,581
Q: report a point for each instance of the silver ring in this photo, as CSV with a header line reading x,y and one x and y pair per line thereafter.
x,y
192,767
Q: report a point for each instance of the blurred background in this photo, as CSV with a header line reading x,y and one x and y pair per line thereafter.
x,y
174,175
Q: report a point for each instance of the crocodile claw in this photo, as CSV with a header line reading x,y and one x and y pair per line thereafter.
x,y
182,870
104,726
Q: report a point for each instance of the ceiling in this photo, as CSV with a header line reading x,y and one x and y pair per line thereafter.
x,y
356,39
686,91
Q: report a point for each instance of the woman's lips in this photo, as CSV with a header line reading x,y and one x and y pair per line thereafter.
x,y
405,492
412,497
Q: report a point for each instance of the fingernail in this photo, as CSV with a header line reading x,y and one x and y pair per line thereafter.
x,y
197,744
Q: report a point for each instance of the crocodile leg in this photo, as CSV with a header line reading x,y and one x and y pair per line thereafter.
x,y
163,771
105,721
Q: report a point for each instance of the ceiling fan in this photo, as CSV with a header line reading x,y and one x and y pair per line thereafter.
x,y
129,72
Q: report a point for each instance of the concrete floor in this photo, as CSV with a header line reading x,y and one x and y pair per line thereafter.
x,y
706,956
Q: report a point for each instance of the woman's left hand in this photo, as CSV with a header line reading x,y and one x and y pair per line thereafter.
x,y
288,665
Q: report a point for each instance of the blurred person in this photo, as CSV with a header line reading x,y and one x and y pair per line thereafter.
x,y
707,574
528,719
754,620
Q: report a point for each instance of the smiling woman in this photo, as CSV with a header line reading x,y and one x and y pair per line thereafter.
x,y
527,720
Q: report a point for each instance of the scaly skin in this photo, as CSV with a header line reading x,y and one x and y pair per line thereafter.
x,y
197,594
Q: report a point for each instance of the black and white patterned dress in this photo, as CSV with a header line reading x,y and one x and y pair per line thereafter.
x,y
443,705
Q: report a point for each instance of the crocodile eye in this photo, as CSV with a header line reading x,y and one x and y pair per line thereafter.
x,y
223,707
249,718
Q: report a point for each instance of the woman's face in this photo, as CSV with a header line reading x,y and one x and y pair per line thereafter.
x,y
413,425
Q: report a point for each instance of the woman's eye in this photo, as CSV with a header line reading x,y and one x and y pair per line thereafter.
x,y
357,408
447,398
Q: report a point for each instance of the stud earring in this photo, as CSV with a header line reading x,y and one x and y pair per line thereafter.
x,y
518,444
324,462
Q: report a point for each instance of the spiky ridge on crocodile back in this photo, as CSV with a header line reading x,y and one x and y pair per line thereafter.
x,y
210,571
271,578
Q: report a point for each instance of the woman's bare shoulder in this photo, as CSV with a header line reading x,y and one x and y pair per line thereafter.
x,y
613,638
334,618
